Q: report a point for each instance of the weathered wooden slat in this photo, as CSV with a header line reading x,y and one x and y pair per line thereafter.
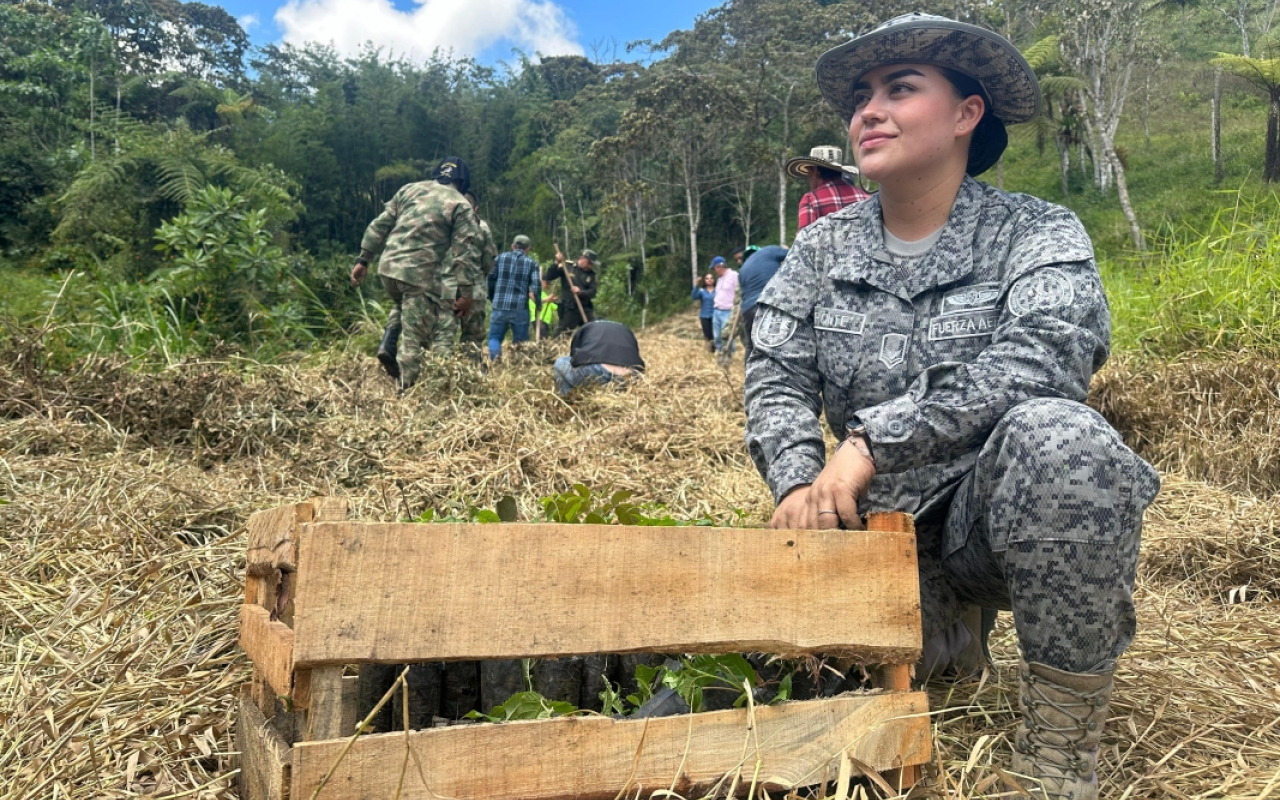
x,y
592,757
269,645
273,538
395,593
273,534
264,756
324,711
350,705
329,509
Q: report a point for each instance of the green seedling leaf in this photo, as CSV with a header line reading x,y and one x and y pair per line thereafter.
x,y
784,690
486,517
595,519
525,705
610,699
427,516
646,680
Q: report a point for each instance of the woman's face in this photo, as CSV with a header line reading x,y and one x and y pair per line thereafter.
x,y
708,280
909,123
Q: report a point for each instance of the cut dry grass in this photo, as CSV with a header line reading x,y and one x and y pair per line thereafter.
x,y
129,492
1211,417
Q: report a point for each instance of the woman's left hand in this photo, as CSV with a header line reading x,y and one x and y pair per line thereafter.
x,y
842,481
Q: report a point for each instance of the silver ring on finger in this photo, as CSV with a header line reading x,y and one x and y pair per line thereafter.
x,y
827,511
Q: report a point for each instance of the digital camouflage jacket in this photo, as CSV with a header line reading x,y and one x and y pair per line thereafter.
x,y
429,237
929,353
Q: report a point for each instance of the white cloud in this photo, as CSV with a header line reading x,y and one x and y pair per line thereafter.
x,y
249,21
465,26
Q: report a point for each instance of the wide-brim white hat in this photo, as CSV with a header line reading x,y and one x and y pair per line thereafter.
x,y
825,156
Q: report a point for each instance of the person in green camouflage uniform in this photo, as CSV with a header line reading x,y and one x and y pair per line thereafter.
x,y
430,262
475,327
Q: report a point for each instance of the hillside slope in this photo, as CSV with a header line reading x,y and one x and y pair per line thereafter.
x,y
128,493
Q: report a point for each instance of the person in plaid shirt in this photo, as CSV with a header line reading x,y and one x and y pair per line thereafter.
x,y
829,184
512,284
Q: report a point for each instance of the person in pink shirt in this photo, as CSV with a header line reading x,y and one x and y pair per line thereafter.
x,y
722,303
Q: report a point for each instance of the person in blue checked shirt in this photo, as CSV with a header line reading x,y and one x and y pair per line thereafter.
x,y
512,284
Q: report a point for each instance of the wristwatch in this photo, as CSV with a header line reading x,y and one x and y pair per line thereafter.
x,y
856,433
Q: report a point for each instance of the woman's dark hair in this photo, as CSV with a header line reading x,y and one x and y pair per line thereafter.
x,y
989,138
824,173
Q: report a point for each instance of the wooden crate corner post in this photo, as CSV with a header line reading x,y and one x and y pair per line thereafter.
x,y
265,727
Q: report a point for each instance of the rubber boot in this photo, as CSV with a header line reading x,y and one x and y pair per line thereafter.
x,y
1057,744
387,350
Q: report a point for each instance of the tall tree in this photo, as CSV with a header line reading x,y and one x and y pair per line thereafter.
x,y
1265,74
681,114
1100,43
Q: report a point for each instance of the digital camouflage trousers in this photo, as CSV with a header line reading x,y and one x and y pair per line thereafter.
x,y
1046,525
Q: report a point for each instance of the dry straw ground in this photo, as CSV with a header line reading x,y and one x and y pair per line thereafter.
x,y
124,533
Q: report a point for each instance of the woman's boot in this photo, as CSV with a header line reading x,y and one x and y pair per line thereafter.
x,y
1062,717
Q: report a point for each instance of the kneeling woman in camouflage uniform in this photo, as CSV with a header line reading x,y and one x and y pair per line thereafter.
x,y
950,331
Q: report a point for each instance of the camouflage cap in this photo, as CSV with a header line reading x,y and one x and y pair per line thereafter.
x,y
521,242
591,256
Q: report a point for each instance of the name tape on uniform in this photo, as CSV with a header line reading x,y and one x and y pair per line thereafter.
x,y
834,319
963,326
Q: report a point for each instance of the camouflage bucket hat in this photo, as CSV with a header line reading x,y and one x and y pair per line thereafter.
x,y
990,59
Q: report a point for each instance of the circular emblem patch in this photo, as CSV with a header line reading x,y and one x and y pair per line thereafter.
x,y
772,328
1042,290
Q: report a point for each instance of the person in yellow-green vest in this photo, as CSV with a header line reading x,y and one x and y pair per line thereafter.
x,y
546,319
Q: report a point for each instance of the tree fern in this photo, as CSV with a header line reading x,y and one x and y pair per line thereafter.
x,y
1060,85
1042,54
180,177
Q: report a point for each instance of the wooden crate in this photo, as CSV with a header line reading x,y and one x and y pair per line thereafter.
x,y
322,592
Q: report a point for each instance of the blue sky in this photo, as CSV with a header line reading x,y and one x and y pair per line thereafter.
x,y
488,29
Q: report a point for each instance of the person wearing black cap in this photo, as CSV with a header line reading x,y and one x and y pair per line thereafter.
x,y
430,265
576,280
600,352
950,331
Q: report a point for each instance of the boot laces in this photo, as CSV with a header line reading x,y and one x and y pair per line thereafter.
x,y
1064,745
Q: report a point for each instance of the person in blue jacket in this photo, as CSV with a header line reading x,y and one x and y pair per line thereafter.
x,y
756,272
704,290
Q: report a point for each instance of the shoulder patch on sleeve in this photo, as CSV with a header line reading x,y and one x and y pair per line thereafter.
x,y
772,328
1042,290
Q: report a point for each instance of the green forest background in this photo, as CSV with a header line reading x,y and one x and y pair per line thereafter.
x,y
168,190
